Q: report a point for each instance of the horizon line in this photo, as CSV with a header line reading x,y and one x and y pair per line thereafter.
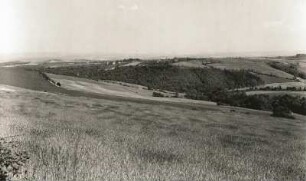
x,y
120,56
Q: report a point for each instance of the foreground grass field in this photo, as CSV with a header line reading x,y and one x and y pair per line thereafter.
x,y
71,138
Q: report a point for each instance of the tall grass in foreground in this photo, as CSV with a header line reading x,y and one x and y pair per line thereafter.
x,y
68,156
77,139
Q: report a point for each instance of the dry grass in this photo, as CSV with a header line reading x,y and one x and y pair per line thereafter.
x,y
277,93
80,139
259,66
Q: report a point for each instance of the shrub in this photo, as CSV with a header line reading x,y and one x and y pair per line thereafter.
x,y
157,94
150,88
281,110
11,162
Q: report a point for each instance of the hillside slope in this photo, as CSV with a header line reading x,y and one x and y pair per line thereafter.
x,y
94,139
192,81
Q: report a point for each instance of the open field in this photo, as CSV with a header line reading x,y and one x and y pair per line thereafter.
x,y
20,77
267,92
257,65
299,86
104,87
302,66
76,138
191,63
271,79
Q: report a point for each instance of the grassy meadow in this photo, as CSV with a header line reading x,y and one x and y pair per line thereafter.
x,y
71,138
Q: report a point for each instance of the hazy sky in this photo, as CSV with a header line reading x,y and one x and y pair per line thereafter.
x,y
151,27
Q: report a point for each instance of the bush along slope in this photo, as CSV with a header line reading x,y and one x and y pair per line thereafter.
x,y
282,105
11,160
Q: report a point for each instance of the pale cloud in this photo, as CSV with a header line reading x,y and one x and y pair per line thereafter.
x,y
133,7
272,24
121,6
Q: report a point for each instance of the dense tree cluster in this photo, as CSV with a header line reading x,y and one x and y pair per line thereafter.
x,y
281,105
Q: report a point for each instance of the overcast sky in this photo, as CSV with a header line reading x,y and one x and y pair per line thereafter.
x,y
151,27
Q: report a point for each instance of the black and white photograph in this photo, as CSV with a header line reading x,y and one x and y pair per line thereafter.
x,y
152,90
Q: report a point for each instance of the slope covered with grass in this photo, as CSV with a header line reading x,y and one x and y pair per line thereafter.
x,y
290,68
71,138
